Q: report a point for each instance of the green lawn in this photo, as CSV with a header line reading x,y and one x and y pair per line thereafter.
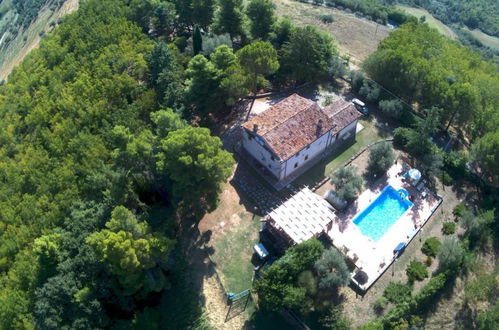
x,y
335,160
233,252
432,21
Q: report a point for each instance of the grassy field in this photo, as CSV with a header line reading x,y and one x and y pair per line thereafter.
x,y
485,39
357,37
432,21
233,252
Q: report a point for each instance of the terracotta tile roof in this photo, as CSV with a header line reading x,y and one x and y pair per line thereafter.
x,y
342,113
278,114
293,123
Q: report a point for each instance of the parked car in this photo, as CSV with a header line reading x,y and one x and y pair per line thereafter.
x,y
361,106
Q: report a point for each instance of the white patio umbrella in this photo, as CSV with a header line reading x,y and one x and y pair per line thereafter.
x,y
414,174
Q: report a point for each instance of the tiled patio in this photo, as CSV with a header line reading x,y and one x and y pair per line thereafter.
x,y
375,257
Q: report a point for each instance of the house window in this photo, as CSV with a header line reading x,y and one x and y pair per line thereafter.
x,y
308,147
273,159
296,165
259,140
306,157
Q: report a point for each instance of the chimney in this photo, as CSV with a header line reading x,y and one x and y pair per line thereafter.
x,y
319,127
255,128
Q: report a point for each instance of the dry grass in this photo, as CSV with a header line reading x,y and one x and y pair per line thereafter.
x,y
430,20
29,39
357,37
485,39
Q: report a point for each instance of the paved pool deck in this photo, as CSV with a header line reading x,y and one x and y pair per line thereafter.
x,y
375,257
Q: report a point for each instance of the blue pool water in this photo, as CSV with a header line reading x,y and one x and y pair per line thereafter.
x,y
383,212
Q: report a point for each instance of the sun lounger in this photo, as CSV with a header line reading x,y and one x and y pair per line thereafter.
x,y
421,185
425,192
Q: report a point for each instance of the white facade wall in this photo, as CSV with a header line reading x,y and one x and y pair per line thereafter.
x,y
305,155
262,155
284,169
349,129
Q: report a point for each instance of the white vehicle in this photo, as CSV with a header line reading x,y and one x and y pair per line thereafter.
x,y
361,106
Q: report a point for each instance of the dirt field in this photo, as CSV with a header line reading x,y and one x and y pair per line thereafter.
x,y
357,37
19,48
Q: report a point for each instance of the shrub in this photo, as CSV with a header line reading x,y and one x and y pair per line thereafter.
x,y
450,255
447,179
380,304
210,43
370,91
459,210
397,292
416,271
332,270
356,80
391,108
381,158
333,319
401,136
327,19
181,43
337,67
448,228
489,319
430,246
428,261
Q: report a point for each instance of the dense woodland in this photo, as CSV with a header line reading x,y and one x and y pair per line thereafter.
x,y
102,157
430,71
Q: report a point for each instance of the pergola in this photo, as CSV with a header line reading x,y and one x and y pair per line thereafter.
x,y
301,217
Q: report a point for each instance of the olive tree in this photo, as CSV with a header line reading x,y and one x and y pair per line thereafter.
x,y
381,158
347,183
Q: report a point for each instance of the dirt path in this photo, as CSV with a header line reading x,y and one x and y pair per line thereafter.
x,y
18,49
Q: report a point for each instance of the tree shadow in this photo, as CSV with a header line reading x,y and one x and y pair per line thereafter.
x,y
185,300
256,196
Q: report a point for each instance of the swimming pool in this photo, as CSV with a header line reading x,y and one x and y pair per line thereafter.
x,y
383,212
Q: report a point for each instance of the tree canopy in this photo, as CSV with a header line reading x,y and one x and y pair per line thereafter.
x,y
347,183
424,67
307,53
89,146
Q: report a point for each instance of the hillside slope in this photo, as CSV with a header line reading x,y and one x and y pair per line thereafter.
x,y
20,36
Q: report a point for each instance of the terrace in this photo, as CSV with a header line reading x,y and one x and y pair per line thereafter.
x,y
305,215
374,257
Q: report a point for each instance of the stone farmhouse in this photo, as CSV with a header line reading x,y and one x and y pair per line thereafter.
x,y
294,134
